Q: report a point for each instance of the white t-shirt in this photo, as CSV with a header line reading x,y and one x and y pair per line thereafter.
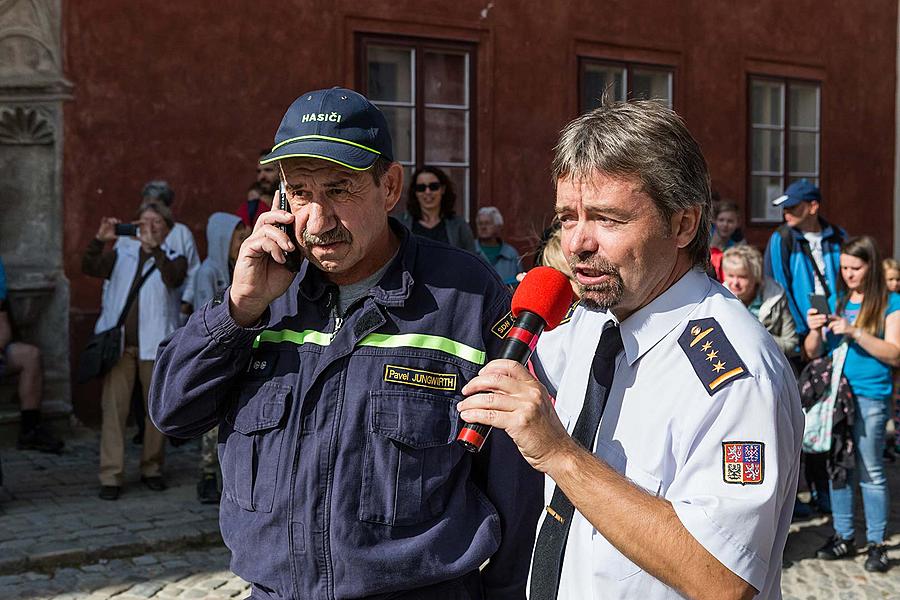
x,y
704,412
815,247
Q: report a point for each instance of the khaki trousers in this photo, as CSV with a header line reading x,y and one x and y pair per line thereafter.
x,y
115,402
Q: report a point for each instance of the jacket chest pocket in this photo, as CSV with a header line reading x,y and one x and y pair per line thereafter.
x,y
252,451
409,457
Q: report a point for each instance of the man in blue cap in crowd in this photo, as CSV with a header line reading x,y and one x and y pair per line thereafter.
x,y
803,255
335,388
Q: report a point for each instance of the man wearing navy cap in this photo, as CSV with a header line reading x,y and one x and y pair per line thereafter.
x,y
803,255
334,388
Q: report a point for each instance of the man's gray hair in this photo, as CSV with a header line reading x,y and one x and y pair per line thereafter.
x,y
158,190
646,139
493,212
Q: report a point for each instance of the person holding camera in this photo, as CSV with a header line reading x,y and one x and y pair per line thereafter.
x,y
145,267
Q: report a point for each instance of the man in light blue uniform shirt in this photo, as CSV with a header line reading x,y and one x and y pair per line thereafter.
x,y
672,452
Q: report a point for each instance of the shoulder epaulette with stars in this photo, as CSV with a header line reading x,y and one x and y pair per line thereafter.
x,y
711,354
570,312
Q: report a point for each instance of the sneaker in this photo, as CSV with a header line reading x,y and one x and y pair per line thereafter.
x,y
109,492
836,548
208,489
877,561
39,439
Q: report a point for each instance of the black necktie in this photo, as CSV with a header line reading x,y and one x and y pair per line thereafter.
x,y
550,547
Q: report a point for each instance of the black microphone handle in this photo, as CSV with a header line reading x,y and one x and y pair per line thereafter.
x,y
518,345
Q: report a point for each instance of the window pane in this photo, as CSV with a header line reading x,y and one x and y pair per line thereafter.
x,y
766,102
803,152
460,178
812,180
400,123
804,105
595,79
446,135
765,153
445,78
400,207
390,74
651,84
762,191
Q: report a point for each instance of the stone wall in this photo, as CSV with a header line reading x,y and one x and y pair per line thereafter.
x,y
32,90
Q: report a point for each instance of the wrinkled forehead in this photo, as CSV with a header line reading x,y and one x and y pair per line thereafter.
x,y
598,188
315,171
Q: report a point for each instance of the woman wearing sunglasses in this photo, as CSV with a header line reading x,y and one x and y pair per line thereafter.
x,y
430,210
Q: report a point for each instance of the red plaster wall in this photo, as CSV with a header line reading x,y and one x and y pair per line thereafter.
x,y
190,92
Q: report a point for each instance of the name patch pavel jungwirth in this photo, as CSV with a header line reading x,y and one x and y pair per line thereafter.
x,y
420,378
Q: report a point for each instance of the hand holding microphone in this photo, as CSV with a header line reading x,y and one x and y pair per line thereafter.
x,y
539,304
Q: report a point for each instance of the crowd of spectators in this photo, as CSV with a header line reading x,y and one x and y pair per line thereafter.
x,y
153,279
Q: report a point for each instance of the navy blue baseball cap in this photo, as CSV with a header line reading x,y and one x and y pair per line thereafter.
x,y
338,125
799,191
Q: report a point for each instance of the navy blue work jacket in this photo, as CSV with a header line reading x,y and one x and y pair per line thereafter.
x,y
341,474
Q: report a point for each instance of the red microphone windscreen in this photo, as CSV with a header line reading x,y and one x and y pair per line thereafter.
x,y
546,292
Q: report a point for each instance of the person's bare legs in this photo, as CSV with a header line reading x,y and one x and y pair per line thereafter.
x,y
25,359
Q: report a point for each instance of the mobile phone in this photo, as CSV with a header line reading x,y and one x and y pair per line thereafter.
x,y
126,229
820,303
294,259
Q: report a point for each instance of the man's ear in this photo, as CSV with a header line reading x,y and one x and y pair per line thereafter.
x,y
685,225
393,185
814,207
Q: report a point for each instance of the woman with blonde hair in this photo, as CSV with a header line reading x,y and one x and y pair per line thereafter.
x,y
743,275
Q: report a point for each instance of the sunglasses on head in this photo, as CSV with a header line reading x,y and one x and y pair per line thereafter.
x,y
433,186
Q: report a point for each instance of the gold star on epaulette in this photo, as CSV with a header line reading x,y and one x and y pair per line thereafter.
x,y
711,355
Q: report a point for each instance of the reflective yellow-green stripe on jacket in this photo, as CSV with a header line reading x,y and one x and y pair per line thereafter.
x,y
378,340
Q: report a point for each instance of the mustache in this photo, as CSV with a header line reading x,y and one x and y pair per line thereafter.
x,y
332,236
594,263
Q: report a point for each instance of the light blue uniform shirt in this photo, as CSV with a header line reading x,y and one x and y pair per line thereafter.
x,y
665,430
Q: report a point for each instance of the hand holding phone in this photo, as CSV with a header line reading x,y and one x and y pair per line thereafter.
x,y
820,303
262,271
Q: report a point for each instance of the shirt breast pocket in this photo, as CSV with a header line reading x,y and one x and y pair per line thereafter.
x,y
252,449
610,563
409,457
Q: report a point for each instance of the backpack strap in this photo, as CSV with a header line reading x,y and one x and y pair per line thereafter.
x,y
804,247
787,248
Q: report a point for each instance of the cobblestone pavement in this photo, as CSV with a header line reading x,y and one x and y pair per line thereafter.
x,y
50,513
58,541
184,574
807,578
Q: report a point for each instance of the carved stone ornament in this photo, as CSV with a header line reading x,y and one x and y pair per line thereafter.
x,y
30,40
24,126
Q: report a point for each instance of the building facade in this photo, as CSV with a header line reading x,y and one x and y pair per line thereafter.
x,y
191,92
